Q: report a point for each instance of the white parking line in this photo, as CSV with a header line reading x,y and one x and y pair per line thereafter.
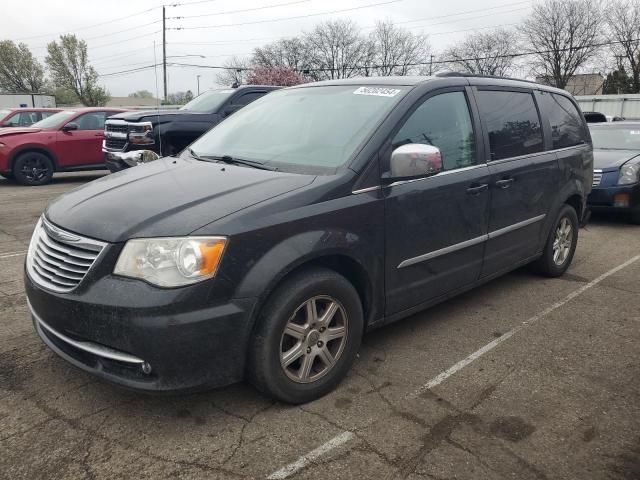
x,y
12,254
346,436
491,345
305,460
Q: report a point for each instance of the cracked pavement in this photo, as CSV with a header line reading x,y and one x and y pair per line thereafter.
x,y
559,399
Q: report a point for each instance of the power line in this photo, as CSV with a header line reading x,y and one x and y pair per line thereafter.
x,y
265,7
271,20
86,27
124,30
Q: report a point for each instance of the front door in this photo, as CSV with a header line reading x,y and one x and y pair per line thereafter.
x,y
524,177
436,227
84,145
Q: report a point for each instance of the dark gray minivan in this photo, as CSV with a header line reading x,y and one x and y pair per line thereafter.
x,y
270,245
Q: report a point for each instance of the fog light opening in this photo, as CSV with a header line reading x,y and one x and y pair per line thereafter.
x,y
621,200
146,368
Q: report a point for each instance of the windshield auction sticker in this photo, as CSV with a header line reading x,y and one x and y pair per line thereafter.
x,y
377,91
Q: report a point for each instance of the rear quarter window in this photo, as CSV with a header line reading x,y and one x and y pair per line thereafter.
x,y
512,122
567,127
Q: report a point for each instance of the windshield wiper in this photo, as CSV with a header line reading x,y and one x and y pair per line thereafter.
x,y
240,161
196,156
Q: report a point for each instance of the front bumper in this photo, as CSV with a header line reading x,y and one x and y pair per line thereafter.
x,y
616,198
117,161
142,345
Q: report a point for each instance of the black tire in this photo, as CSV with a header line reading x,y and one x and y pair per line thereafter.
x,y
33,168
635,217
549,264
325,288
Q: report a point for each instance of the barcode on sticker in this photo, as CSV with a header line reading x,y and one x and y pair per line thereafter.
x,y
377,91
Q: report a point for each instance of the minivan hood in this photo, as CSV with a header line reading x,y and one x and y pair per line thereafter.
x,y
612,158
168,197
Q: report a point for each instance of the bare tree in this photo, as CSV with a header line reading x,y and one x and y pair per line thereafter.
x,y
237,71
292,53
485,53
623,20
394,50
564,35
20,72
337,50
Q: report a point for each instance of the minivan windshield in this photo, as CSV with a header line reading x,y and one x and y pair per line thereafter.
x,y
209,101
622,137
306,130
55,120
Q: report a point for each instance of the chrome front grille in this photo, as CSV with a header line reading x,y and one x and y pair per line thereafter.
x,y
59,260
116,127
597,177
115,143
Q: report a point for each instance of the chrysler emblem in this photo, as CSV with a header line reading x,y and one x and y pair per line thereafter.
x,y
60,235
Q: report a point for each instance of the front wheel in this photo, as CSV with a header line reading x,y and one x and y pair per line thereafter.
x,y
561,244
33,168
307,336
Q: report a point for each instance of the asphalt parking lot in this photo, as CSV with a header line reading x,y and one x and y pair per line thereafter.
x,y
524,378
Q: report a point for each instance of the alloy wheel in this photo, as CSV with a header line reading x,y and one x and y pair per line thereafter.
x,y
562,241
34,169
313,339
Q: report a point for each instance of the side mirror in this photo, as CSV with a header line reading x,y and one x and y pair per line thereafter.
x,y
70,126
414,160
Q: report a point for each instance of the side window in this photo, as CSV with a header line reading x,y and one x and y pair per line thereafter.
x,y
14,121
91,121
567,128
512,121
28,118
247,98
444,122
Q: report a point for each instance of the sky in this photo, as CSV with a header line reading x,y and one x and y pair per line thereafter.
x,y
120,34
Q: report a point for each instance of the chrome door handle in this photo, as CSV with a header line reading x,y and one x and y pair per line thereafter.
x,y
504,183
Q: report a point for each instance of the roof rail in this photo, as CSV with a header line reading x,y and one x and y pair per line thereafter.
x,y
449,73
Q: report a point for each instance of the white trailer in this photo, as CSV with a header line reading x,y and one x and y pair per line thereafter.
x,y
626,106
15,100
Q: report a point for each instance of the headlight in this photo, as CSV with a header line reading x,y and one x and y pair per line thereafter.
x,y
171,262
629,174
141,134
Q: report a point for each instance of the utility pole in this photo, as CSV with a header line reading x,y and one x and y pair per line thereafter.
x,y
164,51
431,65
198,78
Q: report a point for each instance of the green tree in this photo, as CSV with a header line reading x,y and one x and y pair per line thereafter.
x,y
69,65
20,72
618,82
141,94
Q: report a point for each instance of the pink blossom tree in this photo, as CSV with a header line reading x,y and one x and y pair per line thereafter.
x,y
277,75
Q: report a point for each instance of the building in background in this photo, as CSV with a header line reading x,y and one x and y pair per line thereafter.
x,y
625,106
581,84
115,102
16,100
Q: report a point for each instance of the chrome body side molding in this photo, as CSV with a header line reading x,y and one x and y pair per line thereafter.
x,y
469,243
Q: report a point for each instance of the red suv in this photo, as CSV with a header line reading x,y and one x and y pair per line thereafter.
x,y
24,117
66,141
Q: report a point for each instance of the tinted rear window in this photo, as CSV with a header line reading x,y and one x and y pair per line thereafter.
x,y
512,121
567,128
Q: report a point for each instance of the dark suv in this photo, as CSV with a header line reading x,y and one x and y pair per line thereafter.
x,y
271,244
137,137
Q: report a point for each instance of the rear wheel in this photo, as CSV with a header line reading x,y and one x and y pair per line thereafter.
x,y
635,217
307,337
561,244
33,168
